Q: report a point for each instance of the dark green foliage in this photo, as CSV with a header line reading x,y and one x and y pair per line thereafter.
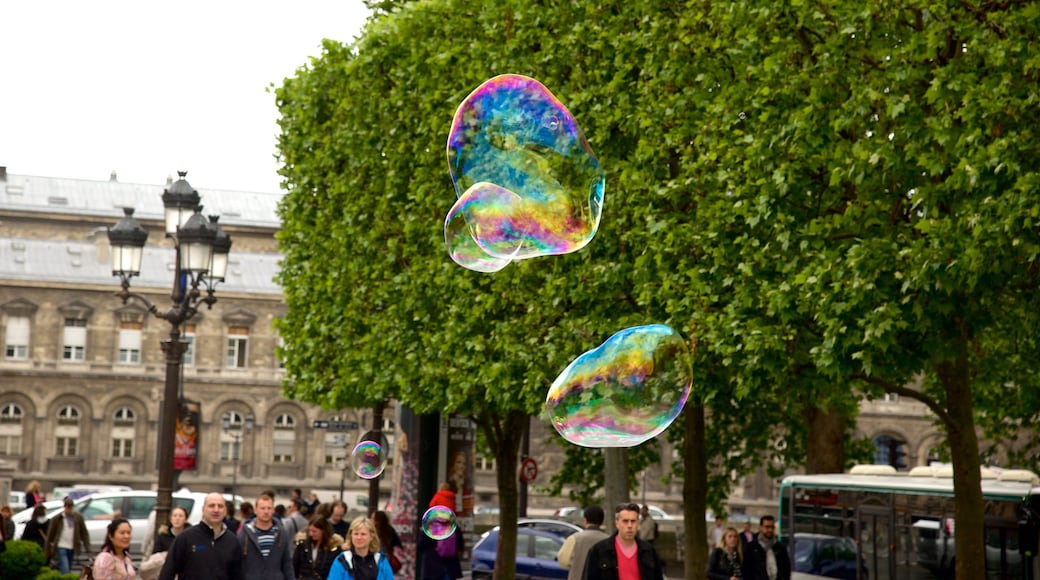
x,y
21,560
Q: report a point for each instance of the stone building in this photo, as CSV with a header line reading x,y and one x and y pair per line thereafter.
x,y
82,374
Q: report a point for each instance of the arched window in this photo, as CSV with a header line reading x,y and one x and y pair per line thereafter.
x,y
123,433
890,451
11,429
66,434
233,425
284,438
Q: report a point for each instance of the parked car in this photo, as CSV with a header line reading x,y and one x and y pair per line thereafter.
x,y
536,551
136,505
558,527
827,556
16,501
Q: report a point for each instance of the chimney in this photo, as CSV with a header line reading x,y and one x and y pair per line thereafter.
x,y
112,176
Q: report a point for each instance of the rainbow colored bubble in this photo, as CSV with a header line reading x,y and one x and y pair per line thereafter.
x,y
527,182
625,391
439,522
368,459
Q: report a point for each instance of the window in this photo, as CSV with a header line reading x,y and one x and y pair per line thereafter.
x,y
485,463
66,434
284,438
335,450
238,340
11,430
890,451
75,339
231,435
129,343
123,433
189,338
16,338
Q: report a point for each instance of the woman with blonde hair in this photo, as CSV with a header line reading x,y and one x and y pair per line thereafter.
x,y
361,558
727,559
32,494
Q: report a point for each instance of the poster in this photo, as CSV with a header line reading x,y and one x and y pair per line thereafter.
x,y
405,492
186,437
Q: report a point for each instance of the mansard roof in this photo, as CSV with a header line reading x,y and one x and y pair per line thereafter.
x,y
31,193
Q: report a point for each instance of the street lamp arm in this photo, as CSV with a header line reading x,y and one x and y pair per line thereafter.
x,y
178,313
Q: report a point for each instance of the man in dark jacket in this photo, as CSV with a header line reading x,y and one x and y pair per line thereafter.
x,y
623,555
206,551
66,534
267,548
765,557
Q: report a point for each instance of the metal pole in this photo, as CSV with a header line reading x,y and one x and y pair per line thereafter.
x,y
377,434
174,350
234,474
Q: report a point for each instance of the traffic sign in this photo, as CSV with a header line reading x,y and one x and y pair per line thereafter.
x,y
528,470
335,425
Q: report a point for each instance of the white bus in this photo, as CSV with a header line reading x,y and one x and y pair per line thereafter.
x,y
876,524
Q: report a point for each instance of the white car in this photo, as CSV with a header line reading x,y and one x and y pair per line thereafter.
x,y
136,505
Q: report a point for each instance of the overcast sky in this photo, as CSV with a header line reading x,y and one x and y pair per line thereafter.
x,y
147,88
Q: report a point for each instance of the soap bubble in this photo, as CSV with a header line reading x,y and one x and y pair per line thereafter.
x,y
527,182
439,522
368,459
623,392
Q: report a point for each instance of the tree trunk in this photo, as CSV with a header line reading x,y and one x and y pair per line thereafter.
x,y
968,507
615,483
695,493
505,434
825,448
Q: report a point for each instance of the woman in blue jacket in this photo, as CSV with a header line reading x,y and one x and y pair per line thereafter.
x,y
361,558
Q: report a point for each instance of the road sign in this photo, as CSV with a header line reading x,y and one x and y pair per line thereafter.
x,y
528,470
335,425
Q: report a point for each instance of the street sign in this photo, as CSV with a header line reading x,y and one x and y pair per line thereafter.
x,y
335,425
528,470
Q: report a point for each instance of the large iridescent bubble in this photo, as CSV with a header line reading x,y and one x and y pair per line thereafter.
x,y
527,182
625,391
368,459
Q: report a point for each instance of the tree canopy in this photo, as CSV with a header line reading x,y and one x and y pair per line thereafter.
x,y
826,194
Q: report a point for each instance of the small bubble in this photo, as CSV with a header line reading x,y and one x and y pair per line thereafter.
x,y
439,522
368,459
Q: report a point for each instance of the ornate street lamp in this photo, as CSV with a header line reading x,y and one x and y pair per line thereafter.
x,y
196,243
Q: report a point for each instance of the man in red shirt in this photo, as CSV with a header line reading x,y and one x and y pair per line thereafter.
x,y
623,556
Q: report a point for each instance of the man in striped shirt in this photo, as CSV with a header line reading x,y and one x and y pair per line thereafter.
x,y
266,547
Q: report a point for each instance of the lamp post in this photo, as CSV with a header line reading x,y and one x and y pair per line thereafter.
x,y
201,251
236,431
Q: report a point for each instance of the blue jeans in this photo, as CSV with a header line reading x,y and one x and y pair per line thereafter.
x,y
65,556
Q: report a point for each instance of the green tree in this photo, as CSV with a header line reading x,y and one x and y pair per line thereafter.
x,y
872,168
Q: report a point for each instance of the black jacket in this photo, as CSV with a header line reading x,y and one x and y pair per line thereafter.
x,y
755,561
197,554
719,566
434,566
602,561
307,567
35,532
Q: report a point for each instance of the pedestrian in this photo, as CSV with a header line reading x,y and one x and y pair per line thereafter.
x,y
647,526
66,535
361,558
747,536
297,494
294,520
339,525
624,555
156,548
312,505
266,547
32,494
715,534
245,512
440,558
113,562
316,550
8,530
36,528
727,559
205,551
389,541
229,520
575,550
766,557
